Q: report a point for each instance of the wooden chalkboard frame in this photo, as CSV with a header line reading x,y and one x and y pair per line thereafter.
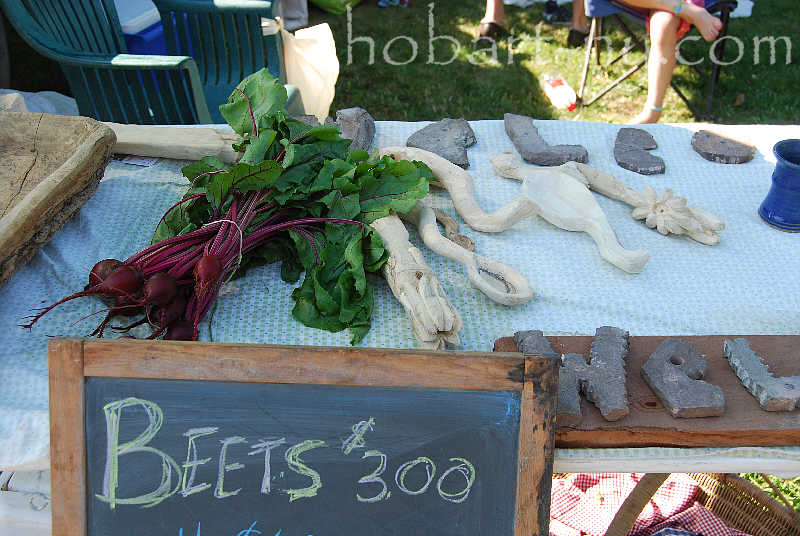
x,y
71,361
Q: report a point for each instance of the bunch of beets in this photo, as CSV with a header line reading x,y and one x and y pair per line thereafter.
x,y
297,195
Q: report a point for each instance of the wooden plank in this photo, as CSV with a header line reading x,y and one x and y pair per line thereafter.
x,y
67,442
295,364
535,458
743,424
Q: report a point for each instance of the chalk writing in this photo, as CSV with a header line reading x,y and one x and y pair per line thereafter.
x,y
182,478
187,483
468,471
266,447
402,471
139,444
249,531
356,439
219,493
375,476
292,457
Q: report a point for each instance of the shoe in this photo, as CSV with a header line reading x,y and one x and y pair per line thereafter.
x,y
555,14
576,38
491,30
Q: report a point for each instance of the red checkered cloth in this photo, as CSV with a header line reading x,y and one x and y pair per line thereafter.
x,y
698,519
586,503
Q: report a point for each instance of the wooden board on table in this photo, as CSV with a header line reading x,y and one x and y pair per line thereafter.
x,y
170,437
50,165
648,424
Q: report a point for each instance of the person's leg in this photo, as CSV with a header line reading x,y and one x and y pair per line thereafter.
x,y
660,64
708,25
580,26
493,23
494,12
579,20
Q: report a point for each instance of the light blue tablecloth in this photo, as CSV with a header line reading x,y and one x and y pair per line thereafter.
x,y
748,284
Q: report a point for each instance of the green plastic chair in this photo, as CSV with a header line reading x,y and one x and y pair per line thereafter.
x,y
85,38
225,39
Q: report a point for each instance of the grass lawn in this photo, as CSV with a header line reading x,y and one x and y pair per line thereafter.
x,y
477,81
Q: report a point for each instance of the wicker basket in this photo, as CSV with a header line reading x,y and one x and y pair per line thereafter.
x,y
742,505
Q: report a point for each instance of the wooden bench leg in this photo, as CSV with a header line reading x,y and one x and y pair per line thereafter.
x,y
635,503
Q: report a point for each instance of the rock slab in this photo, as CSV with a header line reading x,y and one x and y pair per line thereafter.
x,y
358,125
674,372
307,119
569,394
602,380
720,149
773,393
631,152
449,138
534,150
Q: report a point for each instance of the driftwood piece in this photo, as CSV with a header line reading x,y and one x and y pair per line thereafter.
x,y
434,319
451,230
459,183
563,199
664,212
174,142
496,280
49,166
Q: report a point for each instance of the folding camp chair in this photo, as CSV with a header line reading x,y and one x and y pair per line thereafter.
x,y
597,10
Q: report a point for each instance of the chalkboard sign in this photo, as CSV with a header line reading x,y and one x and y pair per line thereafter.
x,y
191,439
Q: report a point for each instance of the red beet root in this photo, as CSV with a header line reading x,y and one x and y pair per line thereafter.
x,y
123,281
101,270
180,331
160,289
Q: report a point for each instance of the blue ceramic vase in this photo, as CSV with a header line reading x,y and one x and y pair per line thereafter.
x,y
781,207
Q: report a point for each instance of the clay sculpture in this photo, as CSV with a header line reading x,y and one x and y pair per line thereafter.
x,y
674,372
449,138
569,396
534,150
773,393
602,380
631,151
358,125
